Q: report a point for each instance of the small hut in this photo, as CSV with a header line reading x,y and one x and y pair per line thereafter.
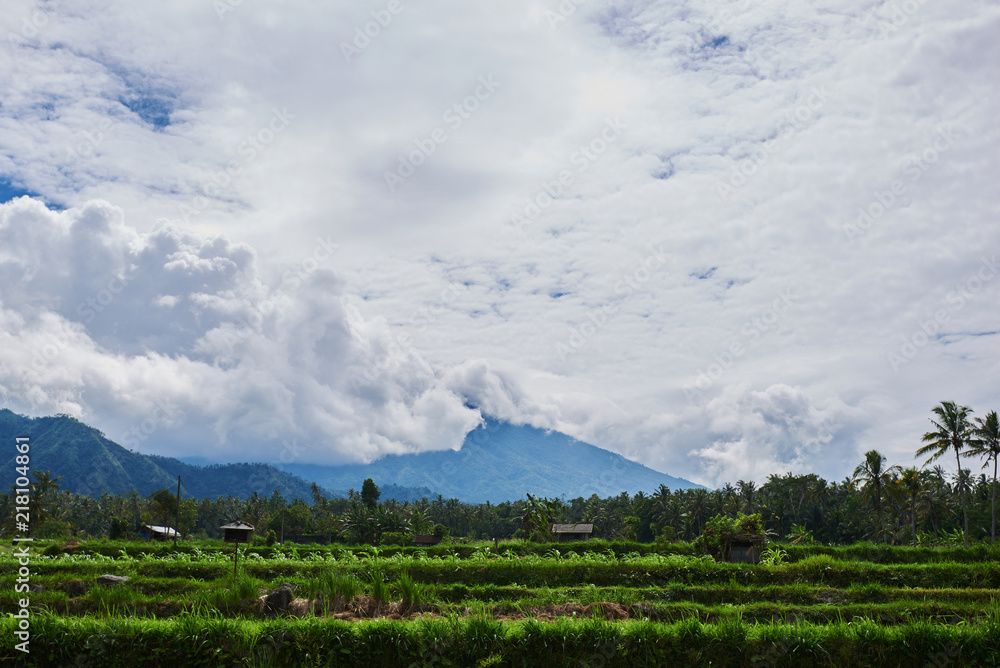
x,y
153,532
425,539
569,533
237,532
734,539
746,548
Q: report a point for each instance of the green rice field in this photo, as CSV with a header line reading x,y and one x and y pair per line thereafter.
x,y
592,604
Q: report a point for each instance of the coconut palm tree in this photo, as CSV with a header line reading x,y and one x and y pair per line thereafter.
x,y
986,443
912,479
953,432
873,475
747,489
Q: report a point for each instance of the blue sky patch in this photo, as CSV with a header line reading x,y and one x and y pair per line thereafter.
x,y
153,109
9,191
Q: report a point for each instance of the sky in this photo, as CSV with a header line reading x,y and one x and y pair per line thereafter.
x,y
724,239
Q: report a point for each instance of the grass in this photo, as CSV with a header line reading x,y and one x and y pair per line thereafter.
x,y
184,640
824,606
330,584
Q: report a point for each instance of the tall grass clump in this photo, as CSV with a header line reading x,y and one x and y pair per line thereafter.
x,y
244,588
378,589
411,593
110,598
330,584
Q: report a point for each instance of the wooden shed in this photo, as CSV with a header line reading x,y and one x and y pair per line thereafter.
x,y
424,539
153,532
237,532
746,548
568,533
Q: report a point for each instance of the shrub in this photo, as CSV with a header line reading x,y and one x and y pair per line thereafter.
x,y
397,538
52,550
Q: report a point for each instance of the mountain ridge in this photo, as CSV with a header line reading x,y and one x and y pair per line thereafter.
x,y
91,464
504,462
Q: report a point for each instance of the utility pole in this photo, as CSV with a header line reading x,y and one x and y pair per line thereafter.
x,y
177,515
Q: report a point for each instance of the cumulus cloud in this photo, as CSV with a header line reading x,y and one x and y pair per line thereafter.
x,y
173,333
773,431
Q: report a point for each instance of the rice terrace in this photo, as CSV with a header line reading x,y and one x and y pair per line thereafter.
x,y
594,604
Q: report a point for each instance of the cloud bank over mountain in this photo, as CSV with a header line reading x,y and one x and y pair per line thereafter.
x,y
176,332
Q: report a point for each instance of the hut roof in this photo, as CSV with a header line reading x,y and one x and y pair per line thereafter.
x,y
572,528
238,525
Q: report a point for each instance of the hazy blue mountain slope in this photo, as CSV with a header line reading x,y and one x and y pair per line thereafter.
x,y
89,463
501,461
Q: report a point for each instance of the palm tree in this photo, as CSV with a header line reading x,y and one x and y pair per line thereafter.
x,y
912,479
873,474
954,431
747,489
420,522
986,443
698,506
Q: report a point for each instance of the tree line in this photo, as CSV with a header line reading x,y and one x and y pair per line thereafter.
x,y
883,503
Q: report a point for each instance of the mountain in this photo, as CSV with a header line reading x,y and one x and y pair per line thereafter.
x,y
503,462
497,462
91,464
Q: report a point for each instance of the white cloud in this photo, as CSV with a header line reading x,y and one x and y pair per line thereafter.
x,y
265,148
249,365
